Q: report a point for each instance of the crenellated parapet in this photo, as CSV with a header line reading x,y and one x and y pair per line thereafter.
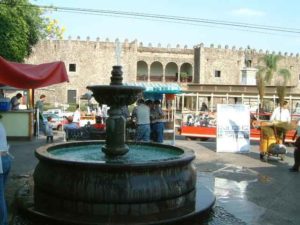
x,y
105,42
241,49
159,48
167,49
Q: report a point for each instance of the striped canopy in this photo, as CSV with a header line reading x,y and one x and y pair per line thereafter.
x,y
157,88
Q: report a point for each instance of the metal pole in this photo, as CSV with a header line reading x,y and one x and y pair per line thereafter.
x,y
37,122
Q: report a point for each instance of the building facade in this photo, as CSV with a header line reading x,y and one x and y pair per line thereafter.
x,y
198,70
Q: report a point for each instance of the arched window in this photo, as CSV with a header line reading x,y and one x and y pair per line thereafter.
x,y
171,72
156,71
142,71
186,72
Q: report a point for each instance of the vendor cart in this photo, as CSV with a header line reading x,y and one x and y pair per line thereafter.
x,y
271,140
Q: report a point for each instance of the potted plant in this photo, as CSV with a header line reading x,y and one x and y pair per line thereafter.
x,y
183,76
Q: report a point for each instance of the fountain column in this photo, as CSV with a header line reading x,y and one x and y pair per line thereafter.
x,y
116,123
115,133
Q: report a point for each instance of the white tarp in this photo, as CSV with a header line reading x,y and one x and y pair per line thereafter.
x,y
233,128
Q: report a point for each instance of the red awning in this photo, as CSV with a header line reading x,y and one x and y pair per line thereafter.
x,y
32,76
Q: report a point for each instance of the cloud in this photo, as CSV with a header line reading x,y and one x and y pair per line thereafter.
x,y
247,12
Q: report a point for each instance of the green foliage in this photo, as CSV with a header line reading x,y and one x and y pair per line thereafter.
x,y
21,27
183,75
72,107
266,72
270,62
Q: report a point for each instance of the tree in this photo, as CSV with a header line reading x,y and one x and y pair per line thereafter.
x,y
22,25
266,73
283,76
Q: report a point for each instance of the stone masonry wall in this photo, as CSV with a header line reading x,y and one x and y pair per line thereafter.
x,y
94,61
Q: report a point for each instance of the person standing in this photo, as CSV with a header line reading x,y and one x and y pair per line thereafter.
x,y
39,107
204,107
49,130
40,104
5,165
295,167
105,109
158,122
76,115
150,104
15,101
142,115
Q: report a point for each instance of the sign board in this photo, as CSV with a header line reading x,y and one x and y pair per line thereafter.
x,y
233,128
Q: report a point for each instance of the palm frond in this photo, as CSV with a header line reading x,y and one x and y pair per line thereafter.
x,y
266,72
285,74
281,90
260,83
269,75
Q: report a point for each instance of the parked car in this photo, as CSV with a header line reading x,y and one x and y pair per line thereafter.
x,y
56,120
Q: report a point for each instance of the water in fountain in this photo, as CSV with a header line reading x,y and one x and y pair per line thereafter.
x,y
76,183
137,154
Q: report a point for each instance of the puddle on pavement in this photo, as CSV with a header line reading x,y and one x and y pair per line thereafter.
x,y
229,184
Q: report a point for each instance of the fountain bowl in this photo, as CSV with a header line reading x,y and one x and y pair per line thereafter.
x,y
112,94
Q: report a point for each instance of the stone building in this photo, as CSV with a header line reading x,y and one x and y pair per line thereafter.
x,y
199,69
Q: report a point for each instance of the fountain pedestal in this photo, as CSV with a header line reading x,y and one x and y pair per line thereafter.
x,y
115,129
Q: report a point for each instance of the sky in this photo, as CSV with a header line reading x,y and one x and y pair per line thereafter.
x,y
277,13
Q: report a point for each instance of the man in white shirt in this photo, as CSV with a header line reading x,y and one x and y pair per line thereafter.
x,y
76,115
281,113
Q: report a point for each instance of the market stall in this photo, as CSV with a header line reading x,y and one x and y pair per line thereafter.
x,y
19,123
165,92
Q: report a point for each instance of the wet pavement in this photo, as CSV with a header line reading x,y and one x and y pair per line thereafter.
x,y
247,190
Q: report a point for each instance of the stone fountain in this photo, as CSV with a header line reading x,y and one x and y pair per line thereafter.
x,y
125,183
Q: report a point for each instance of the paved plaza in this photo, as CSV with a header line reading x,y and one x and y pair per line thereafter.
x,y
248,191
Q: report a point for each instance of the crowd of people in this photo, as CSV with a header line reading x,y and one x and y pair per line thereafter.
x,y
148,118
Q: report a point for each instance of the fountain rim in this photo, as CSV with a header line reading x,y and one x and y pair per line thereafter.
x,y
43,154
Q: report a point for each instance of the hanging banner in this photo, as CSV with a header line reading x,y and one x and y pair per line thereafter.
x,y
233,128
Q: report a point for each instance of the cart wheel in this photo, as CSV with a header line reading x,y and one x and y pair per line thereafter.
x,y
261,156
203,139
190,138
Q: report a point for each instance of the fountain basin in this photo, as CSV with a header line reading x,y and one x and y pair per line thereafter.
x,y
116,187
